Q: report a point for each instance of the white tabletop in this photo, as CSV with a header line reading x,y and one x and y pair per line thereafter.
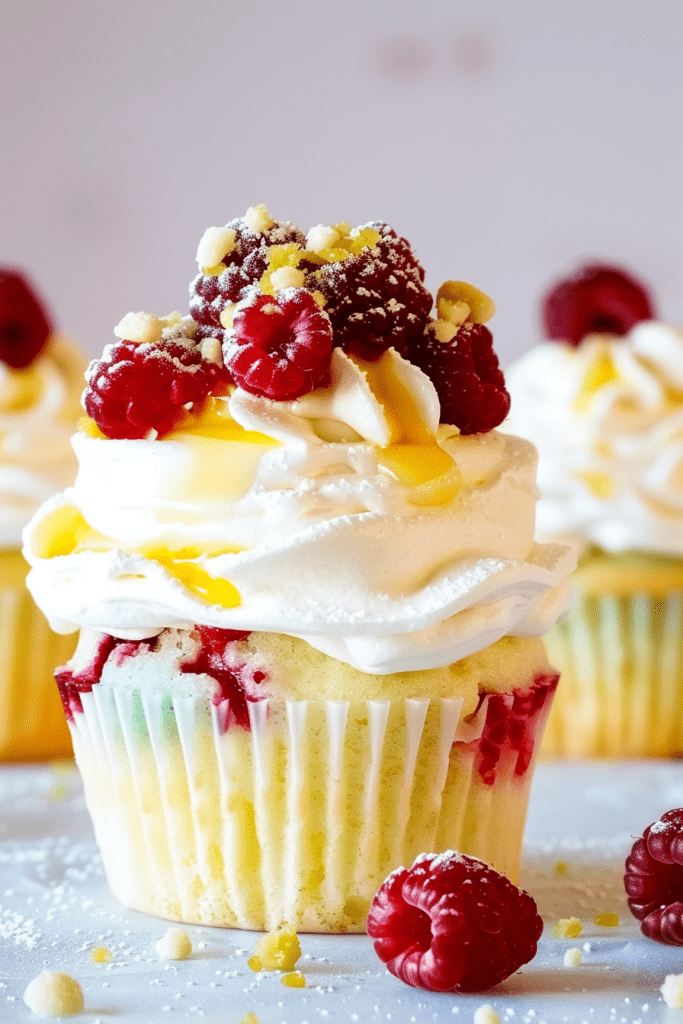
x,y
55,908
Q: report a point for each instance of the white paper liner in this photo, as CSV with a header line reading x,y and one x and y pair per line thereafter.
x,y
621,678
296,821
32,723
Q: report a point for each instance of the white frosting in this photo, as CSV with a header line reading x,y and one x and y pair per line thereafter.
x,y
36,458
319,538
610,456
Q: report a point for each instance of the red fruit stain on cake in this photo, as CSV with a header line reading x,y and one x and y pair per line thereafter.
x,y
467,377
376,298
451,923
511,727
72,684
24,324
280,345
141,387
238,685
653,879
598,299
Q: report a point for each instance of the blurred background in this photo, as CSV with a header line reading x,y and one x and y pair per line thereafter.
x,y
506,140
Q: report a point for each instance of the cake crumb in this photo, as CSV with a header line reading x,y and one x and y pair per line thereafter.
x,y
174,945
250,1018
100,955
257,218
215,244
279,950
607,920
672,990
294,979
139,327
572,958
486,1015
53,994
561,867
567,928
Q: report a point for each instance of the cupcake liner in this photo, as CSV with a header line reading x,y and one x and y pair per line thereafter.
x,y
621,678
298,819
32,722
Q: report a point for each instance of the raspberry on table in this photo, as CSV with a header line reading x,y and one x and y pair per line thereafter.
x,y
451,923
467,377
653,879
239,268
375,298
598,299
24,324
139,387
279,346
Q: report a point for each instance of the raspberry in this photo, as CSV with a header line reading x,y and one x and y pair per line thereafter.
x,y
598,299
244,266
136,388
451,923
72,684
377,298
24,325
280,345
467,378
236,683
654,879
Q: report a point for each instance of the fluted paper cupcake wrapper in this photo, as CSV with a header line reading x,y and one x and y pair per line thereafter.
x,y
296,820
32,722
621,678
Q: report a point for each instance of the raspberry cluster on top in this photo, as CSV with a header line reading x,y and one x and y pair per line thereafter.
x,y
268,307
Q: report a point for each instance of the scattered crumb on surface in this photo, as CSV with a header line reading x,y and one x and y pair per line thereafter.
x,y
561,867
567,928
278,950
101,955
294,979
53,994
572,958
486,1015
607,920
250,1018
174,945
672,990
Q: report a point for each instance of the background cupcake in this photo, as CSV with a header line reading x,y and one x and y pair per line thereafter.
x,y
311,611
41,377
602,400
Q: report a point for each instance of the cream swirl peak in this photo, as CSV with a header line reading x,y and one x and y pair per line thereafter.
x,y
280,466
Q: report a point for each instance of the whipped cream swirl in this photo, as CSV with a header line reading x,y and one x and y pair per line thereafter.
x,y
318,523
38,409
607,419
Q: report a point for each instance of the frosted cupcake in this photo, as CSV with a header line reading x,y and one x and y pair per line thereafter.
x,y
310,611
602,400
41,378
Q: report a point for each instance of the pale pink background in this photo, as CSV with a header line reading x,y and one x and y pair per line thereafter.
x,y
506,139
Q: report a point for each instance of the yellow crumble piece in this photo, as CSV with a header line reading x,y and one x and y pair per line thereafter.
x,y
572,958
174,945
561,868
53,994
294,980
100,955
250,1018
257,218
486,1015
214,271
279,950
58,793
607,920
88,427
568,928
142,328
214,245
254,964
672,990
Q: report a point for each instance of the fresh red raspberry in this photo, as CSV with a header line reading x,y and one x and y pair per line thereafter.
x,y
138,387
598,299
654,879
244,266
280,345
451,923
377,298
467,378
24,324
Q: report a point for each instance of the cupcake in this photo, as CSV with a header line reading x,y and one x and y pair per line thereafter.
x,y
41,378
602,399
303,565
